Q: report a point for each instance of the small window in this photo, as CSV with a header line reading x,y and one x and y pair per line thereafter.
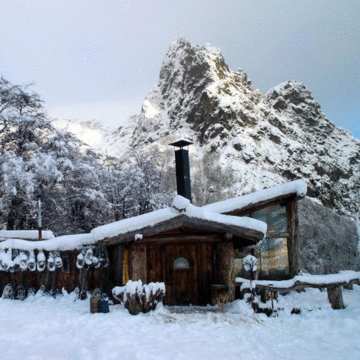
x,y
65,260
276,218
181,264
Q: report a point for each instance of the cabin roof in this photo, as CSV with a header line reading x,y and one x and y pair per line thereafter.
x,y
180,214
66,242
295,189
25,234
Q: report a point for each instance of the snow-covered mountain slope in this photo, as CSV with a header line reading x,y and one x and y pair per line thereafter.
x,y
243,141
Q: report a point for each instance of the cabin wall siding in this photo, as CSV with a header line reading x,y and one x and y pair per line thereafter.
x,y
58,279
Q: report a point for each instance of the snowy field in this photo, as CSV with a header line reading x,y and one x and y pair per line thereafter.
x,y
45,328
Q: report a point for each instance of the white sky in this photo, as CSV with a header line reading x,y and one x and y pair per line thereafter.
x,y
98,59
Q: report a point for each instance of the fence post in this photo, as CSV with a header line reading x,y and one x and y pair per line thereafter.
x,y
335,297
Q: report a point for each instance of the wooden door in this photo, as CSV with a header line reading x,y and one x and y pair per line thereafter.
x,y
181,274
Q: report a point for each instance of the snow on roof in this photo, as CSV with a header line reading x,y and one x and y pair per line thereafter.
x,y
26,234
297,187
133,224
180,206
66,242
244,222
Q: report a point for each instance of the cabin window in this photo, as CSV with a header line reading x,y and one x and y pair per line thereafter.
x,y
272,252
65,260
181,264
276,218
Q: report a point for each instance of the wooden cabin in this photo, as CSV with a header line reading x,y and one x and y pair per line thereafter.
x,y
195,251
187,248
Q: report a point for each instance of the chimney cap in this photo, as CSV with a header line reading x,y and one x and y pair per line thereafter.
x,y
181,143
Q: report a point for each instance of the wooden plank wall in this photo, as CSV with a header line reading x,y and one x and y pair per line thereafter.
x,y
138,267
58,279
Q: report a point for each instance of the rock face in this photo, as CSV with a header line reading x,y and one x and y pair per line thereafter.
x,y
328,241
243,141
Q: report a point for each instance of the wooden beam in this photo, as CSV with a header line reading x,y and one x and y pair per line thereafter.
x,y
293,239
181,238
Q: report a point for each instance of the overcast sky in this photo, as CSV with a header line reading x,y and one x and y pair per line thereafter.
x,y
99,59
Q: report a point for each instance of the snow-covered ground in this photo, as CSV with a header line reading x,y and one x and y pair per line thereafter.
x,y
45,328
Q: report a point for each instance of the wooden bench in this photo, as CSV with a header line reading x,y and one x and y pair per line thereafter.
x,y
332,282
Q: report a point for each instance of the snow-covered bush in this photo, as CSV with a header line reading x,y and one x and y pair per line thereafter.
x,y
137,297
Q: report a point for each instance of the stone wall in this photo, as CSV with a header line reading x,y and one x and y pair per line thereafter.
x,y
328,241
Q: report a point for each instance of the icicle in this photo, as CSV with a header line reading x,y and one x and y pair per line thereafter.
x,y
51,262
31,261
23,261
80,261
41,261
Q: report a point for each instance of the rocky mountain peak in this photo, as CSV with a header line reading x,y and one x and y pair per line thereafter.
x,y
243,141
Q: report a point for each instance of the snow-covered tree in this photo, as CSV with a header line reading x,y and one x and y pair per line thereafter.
x,y
79,188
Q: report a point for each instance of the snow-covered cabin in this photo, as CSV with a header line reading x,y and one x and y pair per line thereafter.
x,y
193,250
188,248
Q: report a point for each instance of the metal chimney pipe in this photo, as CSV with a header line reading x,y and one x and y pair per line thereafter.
x,y
182,165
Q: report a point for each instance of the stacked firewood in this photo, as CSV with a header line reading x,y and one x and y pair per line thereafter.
x,y
138,298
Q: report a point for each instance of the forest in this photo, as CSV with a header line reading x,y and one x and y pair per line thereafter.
x,y
79,188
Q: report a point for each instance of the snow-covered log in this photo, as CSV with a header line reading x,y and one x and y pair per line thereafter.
x,y
302,281
332,282
58,260
23,261
51,262
41,261
31,261
80,261
89,256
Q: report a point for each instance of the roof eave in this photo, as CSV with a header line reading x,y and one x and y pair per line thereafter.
x,y
185,221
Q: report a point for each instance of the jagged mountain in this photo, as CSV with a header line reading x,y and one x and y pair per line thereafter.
x,y
243,140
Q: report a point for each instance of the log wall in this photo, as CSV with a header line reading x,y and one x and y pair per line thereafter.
x,y
58,279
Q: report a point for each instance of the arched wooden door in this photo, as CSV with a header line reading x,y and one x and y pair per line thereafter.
x,y
185,285
181,274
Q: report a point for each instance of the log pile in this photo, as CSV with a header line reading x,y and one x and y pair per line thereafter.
x,y
138,298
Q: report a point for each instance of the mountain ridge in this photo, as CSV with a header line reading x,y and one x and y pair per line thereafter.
x,y
243,140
